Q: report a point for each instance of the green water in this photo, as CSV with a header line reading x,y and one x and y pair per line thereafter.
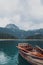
x,y
9,53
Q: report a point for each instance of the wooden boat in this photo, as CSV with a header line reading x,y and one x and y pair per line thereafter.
x,y
34,55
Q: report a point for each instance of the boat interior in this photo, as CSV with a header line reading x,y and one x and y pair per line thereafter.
x,y
37,51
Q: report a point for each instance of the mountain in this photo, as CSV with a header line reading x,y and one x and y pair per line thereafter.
x,y
24,34
12,26
13,30
38,33
6,34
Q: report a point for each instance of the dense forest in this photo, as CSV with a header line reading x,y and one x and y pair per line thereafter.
x,y
38,36
7,36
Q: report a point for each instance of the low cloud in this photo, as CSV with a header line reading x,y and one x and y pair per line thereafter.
x,y
27,14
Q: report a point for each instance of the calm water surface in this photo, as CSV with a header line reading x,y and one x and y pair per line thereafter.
x,y
9,53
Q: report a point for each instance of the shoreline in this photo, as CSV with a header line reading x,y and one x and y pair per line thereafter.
x,y
21,39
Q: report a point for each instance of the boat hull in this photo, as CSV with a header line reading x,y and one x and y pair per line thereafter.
x,y
30,59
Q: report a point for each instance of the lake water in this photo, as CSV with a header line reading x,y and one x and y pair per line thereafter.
x,y
9,53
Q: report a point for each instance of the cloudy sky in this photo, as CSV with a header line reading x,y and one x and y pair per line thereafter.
x,y
26,14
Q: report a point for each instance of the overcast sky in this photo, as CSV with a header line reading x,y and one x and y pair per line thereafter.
x,y
26,14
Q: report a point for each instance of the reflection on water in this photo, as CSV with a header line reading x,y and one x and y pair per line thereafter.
x,y
9,53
